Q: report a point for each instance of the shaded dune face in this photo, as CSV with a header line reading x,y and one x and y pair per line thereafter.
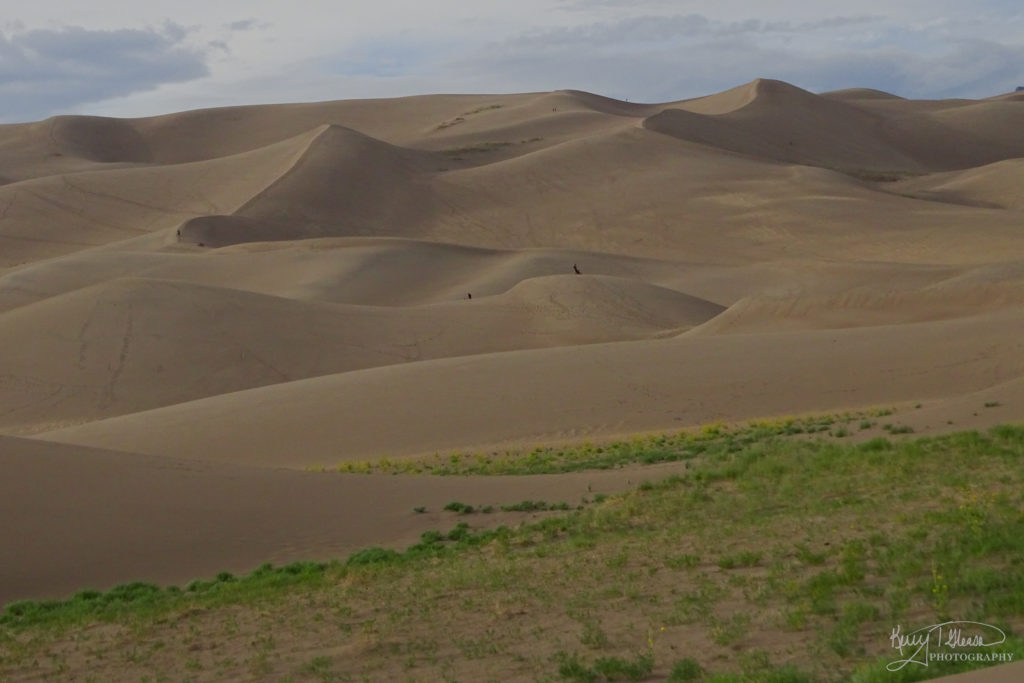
x,y
264,288
846,130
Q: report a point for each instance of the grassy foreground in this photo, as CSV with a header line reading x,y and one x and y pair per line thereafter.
x,y
777,559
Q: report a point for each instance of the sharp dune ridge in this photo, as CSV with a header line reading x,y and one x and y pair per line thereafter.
x,y
236,294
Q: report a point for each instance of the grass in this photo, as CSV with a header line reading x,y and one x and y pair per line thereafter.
x,y
573,668
687,669
898,429
482,147
534,506
461,118
482,109
808,550
708,441
460,508
523,506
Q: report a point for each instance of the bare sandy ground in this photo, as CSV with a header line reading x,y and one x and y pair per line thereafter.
x,y
95,519
194,307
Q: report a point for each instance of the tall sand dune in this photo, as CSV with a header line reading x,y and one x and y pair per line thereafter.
x,y
65,213
345,181
847,130
779,121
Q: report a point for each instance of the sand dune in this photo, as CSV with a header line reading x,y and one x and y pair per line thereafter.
x,y
854,131
135,344
65,213
67,144
346,181
857,94
779,121
367,271
210,133
532,395
213,295
864,308
993,186
95,138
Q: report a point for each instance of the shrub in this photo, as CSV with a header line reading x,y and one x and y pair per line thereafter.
x,y
686,669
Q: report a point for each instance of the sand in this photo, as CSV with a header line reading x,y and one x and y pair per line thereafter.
x,y
195,308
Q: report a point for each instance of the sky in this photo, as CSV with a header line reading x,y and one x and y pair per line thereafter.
x,y
128,59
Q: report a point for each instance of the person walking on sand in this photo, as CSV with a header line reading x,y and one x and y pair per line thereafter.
x,y
575,269
469,295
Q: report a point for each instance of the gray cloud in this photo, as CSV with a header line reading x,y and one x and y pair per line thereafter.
x,y
638,49
247,25
44,72
666,58
641,32
587,5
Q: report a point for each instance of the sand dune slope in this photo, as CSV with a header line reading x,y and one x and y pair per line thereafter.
x,y
779,121
866,307
79,518
346,181
608,183
372,271
995,185
209,133
136,344
367,271
66,144
602,389
430,122
65,213
859,94
853,131
641,193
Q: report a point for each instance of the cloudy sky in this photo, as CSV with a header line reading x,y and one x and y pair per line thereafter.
x,y
119,58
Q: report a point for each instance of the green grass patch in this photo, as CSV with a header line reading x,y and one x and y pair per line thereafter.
x,y
710,441
827,544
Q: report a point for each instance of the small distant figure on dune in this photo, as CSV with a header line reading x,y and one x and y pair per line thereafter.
x,y
469,295
576,269
179,234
